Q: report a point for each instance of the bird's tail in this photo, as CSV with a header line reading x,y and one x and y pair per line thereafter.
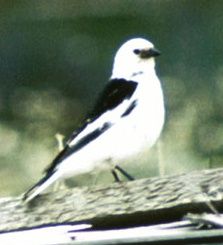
x,y
40,186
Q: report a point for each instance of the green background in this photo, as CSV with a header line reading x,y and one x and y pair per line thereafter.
x,y
56,56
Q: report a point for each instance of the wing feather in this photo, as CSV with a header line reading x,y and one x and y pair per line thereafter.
x,y
116,91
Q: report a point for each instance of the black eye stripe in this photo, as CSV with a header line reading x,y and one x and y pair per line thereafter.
x,y
136,51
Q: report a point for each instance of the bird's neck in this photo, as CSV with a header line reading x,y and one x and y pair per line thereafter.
x,y
132,73
138,76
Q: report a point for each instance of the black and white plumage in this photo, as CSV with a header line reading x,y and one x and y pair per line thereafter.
x,y
127,118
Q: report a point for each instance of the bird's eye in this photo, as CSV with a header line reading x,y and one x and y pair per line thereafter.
x,y
136,51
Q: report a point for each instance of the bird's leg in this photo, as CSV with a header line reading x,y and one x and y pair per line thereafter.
x,y
123,172
115,175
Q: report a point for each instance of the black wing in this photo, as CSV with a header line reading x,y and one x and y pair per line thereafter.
x,y
116,91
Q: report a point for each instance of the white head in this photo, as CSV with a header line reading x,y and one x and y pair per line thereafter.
x,y
134,57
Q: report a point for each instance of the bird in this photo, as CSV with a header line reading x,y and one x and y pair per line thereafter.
x,y
127,118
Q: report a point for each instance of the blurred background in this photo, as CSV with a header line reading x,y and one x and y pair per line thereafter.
x,y
55,57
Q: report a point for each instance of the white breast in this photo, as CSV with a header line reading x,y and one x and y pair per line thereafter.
x,y
143,126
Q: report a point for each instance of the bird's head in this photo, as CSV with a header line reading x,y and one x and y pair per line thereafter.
x,y
134,57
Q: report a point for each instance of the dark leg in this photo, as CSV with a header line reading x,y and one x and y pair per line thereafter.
x,y
122,171
115,175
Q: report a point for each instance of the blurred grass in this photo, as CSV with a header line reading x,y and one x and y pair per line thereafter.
x,y
56,56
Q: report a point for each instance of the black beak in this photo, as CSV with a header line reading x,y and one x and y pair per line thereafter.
x,y
148,53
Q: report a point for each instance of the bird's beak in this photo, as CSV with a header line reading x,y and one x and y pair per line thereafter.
x,y
148,53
